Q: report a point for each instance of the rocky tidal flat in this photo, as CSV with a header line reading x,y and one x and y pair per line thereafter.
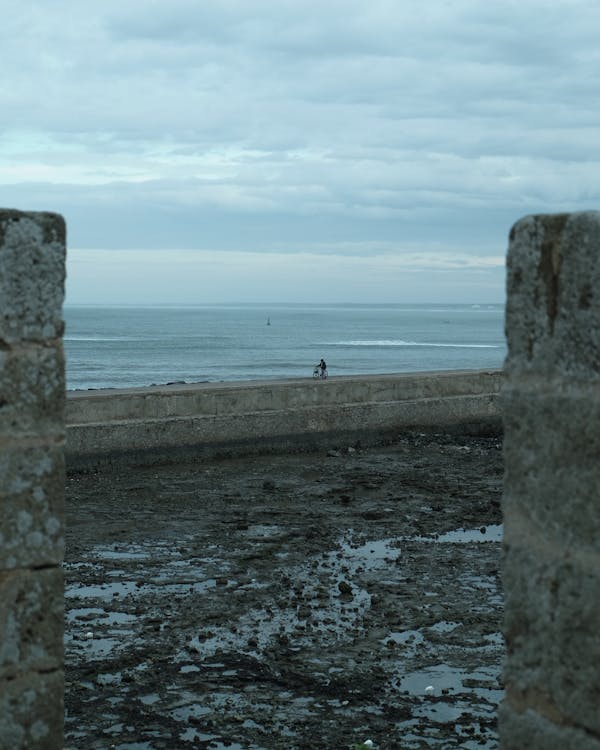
x,y
288,601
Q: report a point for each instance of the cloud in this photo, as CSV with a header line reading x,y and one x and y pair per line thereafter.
x,y
188,277
264,126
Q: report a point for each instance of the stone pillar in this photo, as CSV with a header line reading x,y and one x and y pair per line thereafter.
x,y
32,399
551,404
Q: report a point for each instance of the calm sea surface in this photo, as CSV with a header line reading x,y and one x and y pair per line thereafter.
x,y
109,347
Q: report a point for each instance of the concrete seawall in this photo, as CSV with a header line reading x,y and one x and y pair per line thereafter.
x,y
176,422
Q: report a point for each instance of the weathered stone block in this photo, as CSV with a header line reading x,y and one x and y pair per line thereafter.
x,y
551,411
31,621
32,390
32,274
31,505
528,729
551,450
552,612
553,284
32,710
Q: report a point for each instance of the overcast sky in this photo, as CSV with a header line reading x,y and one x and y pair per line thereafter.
x,y
295,150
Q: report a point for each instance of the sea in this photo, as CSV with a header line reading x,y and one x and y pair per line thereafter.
x,y
122,347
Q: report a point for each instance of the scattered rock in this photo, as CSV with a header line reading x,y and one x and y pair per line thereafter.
x,y
345,588
306,624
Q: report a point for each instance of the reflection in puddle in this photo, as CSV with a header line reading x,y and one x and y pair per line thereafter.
x,y
444,626
187,668
483,682
109,678
185,713
128,588
102,590
85,613
101,646
149,700
131,553
408,640
327,599
262,531
377,552
193,735
412,731
492,533
483,534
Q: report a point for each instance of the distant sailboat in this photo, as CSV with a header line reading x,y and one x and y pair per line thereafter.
x,y
268,321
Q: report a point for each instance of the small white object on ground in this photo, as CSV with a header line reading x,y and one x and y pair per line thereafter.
x,y
429,690
368,743
89,634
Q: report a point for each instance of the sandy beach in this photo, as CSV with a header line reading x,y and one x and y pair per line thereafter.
x,y
288,601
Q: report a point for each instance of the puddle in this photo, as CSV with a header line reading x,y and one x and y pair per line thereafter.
x,y
325,599
197,587
114,729
495,639
444,626
109,591
221,701
86,614
488,586
129,553
102,590
187,668
92,616
262,531
324,609
193,735
373,553
100,647
483,682
109,678
186,713
414,735
150,699
463,536
408,641
119,618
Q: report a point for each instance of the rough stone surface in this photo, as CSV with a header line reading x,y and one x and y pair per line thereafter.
x,y
32,501
31,621
32,404
553,303
32,711
552,612
529,730
552,459
32,275
551,407
32,395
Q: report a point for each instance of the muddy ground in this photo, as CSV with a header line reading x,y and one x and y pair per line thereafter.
x,y
300,601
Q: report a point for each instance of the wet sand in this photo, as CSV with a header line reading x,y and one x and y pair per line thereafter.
x,y
297,601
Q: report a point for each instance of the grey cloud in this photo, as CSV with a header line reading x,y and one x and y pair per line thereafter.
x,y
274,124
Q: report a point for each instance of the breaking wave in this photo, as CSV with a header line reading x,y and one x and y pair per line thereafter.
x,y
400,342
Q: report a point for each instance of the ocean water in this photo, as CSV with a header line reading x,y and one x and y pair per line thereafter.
x,y
109,347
